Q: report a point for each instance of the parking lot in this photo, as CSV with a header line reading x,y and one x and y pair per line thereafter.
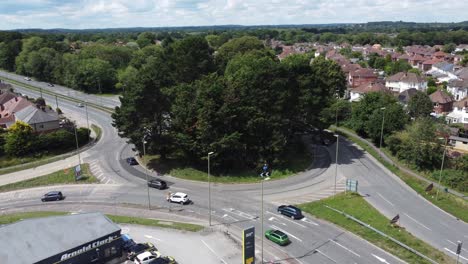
x,y
187,247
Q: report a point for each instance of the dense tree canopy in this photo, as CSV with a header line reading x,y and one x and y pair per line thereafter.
x,y
420,105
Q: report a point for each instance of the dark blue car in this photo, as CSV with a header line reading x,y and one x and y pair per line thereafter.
x,y
52,196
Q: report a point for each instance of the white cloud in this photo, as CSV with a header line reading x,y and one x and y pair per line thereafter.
x,y
148,13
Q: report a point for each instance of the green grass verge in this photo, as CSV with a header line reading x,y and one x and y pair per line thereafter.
x,y
155,222
11,218
356,206
297,159
10,165
66,176
97,130
452,204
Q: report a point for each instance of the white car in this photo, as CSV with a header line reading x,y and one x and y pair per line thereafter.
x,y
146,257
27,78
178,197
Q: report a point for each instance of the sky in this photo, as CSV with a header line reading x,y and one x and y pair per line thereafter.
x,y
86,14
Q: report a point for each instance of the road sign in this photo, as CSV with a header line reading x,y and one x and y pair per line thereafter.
x,y
351,185
459,247
248,245
77,172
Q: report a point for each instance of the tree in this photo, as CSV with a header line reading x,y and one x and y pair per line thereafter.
x,y
8,52
395,120
236,46
145,39
449,48
29,45
94,75
420,105
19,140
42,64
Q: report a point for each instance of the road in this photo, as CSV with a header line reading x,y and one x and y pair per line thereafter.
x,y
314,241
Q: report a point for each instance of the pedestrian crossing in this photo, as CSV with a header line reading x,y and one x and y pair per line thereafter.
x,y
314,196
96,170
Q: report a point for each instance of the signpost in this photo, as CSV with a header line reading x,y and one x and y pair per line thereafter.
x,y
459,248
248,245
351,185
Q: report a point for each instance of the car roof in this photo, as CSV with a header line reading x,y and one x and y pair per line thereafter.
x,y
279,233
179,194
144,255
53,192
294,207
156,180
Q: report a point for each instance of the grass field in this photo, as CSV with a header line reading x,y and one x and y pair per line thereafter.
x,y
356,206
11,218
66,176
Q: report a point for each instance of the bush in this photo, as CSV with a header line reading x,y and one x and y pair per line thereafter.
x,y
456,179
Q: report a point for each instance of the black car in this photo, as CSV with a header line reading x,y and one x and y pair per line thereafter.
x,y
50,85
158,184
163,260
132,161
290,211
52,196
127,242
136,249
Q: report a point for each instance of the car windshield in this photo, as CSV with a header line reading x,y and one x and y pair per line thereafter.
x,y
279,234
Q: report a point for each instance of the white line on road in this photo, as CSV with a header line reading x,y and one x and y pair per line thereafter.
x,y
289,234
287,219
309,221
273,220
240,213
349,250
213,252
325,255
380,259
226,215
416,221
385,199
455,244
455,253
108,180
151,237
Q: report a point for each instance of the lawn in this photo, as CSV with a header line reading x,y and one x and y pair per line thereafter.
x,y
297,159
456,206
353,204
66,176
11,218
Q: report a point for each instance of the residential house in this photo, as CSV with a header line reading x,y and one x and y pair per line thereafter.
x,y
461,47
404,57
459,143
13,105
357,93
402,81
361,76
439,55
462,73
458,88
287,50
443,71
443,103
405,96
427,65
459,113
5,97
416,60
41,119
457,59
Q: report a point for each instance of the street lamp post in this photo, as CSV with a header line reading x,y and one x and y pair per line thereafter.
x,y
336,154
262,221
146,172
209,184
381,131
441,167
77,147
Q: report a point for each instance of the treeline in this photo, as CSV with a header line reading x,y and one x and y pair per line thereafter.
x,y
242,102
419,143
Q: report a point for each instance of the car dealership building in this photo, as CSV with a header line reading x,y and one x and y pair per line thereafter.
x,y
69,239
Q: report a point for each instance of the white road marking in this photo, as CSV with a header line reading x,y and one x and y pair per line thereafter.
x,y
417,221
240,213
349,250
108,180
325,255
226,215
289,234
309,221
151,237
100,175
455,253
380,259
455,244
385,200
125,230
287,219
213,252
273,220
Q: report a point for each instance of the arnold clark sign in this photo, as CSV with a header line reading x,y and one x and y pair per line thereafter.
x,y
88,247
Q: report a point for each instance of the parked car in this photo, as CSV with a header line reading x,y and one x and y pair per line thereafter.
x,y
178,197
277,237
50,84
164,260
290,211
52,196
132,161
127,242
158,184
139,248
27,78
80,105
146,257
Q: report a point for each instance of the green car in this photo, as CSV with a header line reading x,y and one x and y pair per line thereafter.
x,y
278,237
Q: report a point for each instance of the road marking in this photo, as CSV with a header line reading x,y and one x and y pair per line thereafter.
x,y
349,250
309,221
380,259
455,244
326,255
213,252
289,234
385,199
455,253
100,175
226,215
287,219
273,220
240,213
151,237
417,221
108,180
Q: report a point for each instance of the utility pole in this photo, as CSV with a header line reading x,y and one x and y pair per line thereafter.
x,y
336,154
262,235
209,185
442,167
56,101
381,131
146,172
87,120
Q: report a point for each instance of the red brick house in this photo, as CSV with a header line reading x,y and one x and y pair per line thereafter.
x,y
443,103
361,76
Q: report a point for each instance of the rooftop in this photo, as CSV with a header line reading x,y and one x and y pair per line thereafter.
x,y
440,97
406,77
